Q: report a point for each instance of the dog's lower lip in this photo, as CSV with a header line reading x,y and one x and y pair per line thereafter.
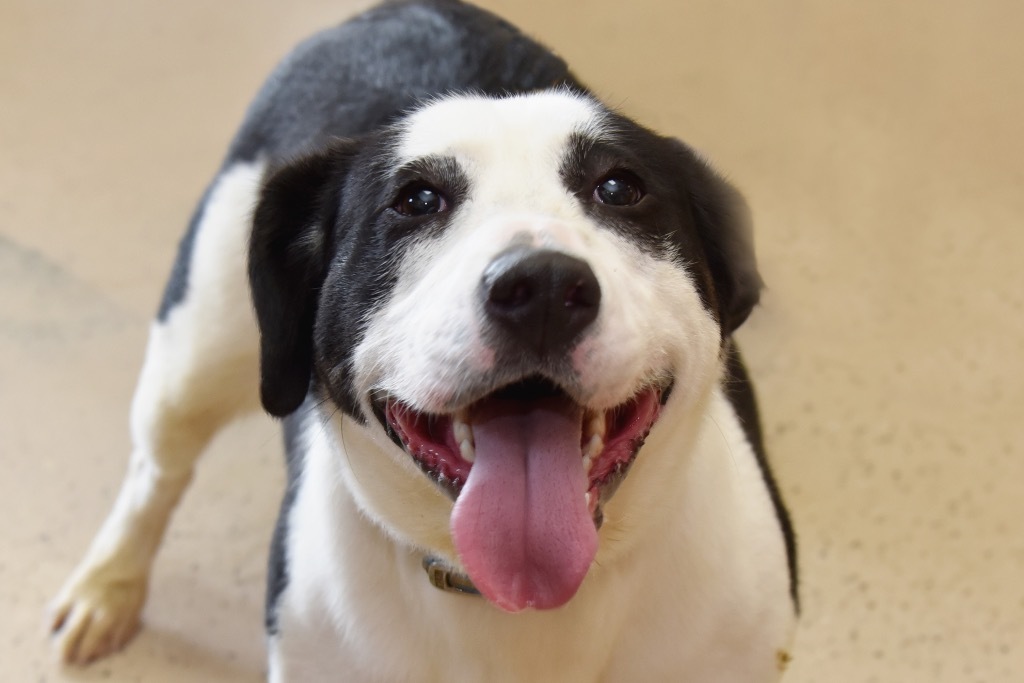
x,y
442,445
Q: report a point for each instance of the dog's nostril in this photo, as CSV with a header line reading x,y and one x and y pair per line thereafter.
x,y
511,294
540,299
582,294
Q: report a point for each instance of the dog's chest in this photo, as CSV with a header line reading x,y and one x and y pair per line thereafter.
x,y
360,604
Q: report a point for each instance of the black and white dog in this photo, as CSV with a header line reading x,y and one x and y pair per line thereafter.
x,y
496,318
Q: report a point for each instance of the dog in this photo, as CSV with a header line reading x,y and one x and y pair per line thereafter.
x,y
496,320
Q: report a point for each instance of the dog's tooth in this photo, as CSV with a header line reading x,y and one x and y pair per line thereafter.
x,y
591,452
588,421
461,430
597,424
587,497
467,451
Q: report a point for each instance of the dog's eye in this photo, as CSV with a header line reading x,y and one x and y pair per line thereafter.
x,y
419,199
619,188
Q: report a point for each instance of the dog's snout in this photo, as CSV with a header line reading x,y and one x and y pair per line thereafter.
x,y
542,299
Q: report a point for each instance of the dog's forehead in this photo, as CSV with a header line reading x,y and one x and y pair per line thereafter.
x,y
481,129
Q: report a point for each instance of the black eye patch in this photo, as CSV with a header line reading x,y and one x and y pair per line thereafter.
x,y
628,181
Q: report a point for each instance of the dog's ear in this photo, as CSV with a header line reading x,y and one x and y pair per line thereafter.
x,y
722,219
291,244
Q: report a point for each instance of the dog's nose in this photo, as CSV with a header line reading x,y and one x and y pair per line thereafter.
x,y
541,299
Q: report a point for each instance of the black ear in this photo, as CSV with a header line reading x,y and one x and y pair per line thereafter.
x,y
292,240
723,223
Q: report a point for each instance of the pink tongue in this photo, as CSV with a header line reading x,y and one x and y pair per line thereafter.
x,y
521,524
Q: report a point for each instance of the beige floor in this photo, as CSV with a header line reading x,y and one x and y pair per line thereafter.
x,y
879,143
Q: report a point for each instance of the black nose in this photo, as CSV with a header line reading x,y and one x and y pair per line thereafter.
x,y
541,299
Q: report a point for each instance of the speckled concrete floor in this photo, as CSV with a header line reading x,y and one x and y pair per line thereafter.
x,y
879,143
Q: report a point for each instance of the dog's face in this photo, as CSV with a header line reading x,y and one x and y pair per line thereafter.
x,y
503,294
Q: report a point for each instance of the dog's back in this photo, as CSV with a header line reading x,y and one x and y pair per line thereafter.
x,y
355,78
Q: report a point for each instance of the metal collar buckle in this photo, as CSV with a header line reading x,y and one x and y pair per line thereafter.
x,y
445,578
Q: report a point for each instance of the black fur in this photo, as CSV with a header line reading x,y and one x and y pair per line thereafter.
x,y
740,392
277,566
354,78
723,224
292,241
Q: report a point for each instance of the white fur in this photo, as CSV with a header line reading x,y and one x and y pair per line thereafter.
x,y
199,372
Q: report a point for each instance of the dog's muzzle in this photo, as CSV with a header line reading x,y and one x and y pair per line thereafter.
x,y
529,467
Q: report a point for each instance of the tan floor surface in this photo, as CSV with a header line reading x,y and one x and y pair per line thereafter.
x,y
879,143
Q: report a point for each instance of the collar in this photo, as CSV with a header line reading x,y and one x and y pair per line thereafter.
x,y
443,577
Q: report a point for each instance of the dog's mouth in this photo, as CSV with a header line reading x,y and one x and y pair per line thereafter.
x,y
529,469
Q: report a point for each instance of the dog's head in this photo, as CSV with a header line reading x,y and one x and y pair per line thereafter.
x,y
501,294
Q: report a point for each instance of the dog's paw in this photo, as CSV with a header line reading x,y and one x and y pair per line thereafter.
x,y
94,616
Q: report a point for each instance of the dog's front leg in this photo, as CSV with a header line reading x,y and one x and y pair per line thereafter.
x,y
201,370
